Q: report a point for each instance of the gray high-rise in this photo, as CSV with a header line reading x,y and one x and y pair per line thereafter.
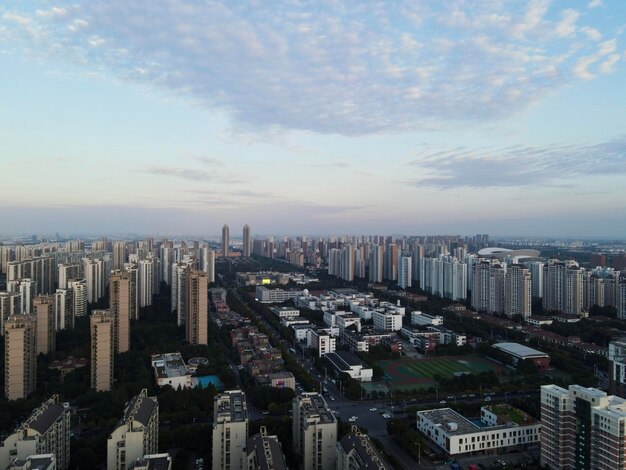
x,y
225,241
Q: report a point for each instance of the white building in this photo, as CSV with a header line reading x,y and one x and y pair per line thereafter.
x,y
405,271
423,319
46,431
275,296
230,430
348,363
314,432
323,341
170,369
136,434
387,320
503,429
285,312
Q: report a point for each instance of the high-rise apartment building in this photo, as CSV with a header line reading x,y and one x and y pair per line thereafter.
x,y
102,328
119,254
207,262
119,306
416,255
63,312
621,297
148,280
405,270
247,243
356,451
225,241
67,272
376,261
20,356
136,434
46,431
582,428
197,307
79,296
230,430
10,304
488,286
517,291
94,270
563,287
536,276
390,265
314,432
263,451
44,312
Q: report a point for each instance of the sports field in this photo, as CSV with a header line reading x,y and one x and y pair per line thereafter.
x,y
419,373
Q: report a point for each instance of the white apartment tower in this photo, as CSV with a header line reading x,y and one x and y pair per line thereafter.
x,y
517,291
314,432
405,271
230,431
136,434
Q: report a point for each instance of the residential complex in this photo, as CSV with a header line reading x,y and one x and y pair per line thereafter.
x,y
20,356
102,328
314,432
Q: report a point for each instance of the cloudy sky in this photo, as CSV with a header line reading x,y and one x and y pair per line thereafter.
x,y
321,116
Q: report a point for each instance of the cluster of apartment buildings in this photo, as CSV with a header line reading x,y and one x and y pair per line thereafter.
x,y
315,439
43,439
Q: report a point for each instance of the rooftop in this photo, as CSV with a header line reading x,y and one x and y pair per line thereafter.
x,y
519,350
343,359
231,406
269,453
450,421
368,454
314,406
43,417
139,409
169,365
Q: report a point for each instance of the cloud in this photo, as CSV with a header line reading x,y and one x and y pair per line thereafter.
x,y
325,67
519,165
594,3
185,173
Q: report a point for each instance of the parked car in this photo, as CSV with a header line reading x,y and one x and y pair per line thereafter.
x,y
443,402
352,419
487,398
373,409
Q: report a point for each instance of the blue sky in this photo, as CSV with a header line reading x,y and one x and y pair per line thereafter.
x,y
314,117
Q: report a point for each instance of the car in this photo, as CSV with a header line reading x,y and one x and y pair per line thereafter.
x,y
373,409
450,397
487,398
386,415
265,412
332,398
443,402
472,395
352,419
464,396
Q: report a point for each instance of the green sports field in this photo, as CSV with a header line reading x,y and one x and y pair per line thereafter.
x,y
419,373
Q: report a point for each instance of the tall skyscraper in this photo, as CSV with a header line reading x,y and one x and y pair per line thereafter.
x,y
488,286
44,311
621,297
20,356
563,287
376,262
197,304
102,323
225,241
136,434
119,306
66,272
230,430
94,275
207,258
147,280
314,432
247,243
63,312
79,296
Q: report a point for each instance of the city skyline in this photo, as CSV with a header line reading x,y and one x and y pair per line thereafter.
x,y
399,117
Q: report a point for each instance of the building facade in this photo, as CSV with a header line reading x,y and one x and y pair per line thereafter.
x,y
314,432
20,356
230,430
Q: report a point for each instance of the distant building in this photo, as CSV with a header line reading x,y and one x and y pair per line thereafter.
x,y
422,319
136,434
170,369
34,462
275,296
102,328
197,307
20,356
519,353
281,379
119,305
44,311
314,432
247,244
230,430
502,429
356,451
225,241
264,452
321,340
46,431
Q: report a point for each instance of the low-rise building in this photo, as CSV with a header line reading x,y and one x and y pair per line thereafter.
x,y
502,429
348,363
519,353
153,462
34,462
285,312
423,319
283,379
323,341
275,296
539,320
387,320
290,321
170,369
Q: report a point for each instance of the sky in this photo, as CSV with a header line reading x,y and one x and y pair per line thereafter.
x,y
313,117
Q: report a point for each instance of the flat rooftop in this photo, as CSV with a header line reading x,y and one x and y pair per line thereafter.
x,y
444,417
169,365
314,406
343,359
519,350
232,406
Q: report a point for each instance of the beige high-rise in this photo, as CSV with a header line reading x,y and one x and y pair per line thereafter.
x,y
44,311
102,349
20,356
119,305
247,245
119,254
230,430
197,304
225,241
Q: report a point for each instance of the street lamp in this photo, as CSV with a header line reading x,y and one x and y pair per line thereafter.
x,y
419,453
